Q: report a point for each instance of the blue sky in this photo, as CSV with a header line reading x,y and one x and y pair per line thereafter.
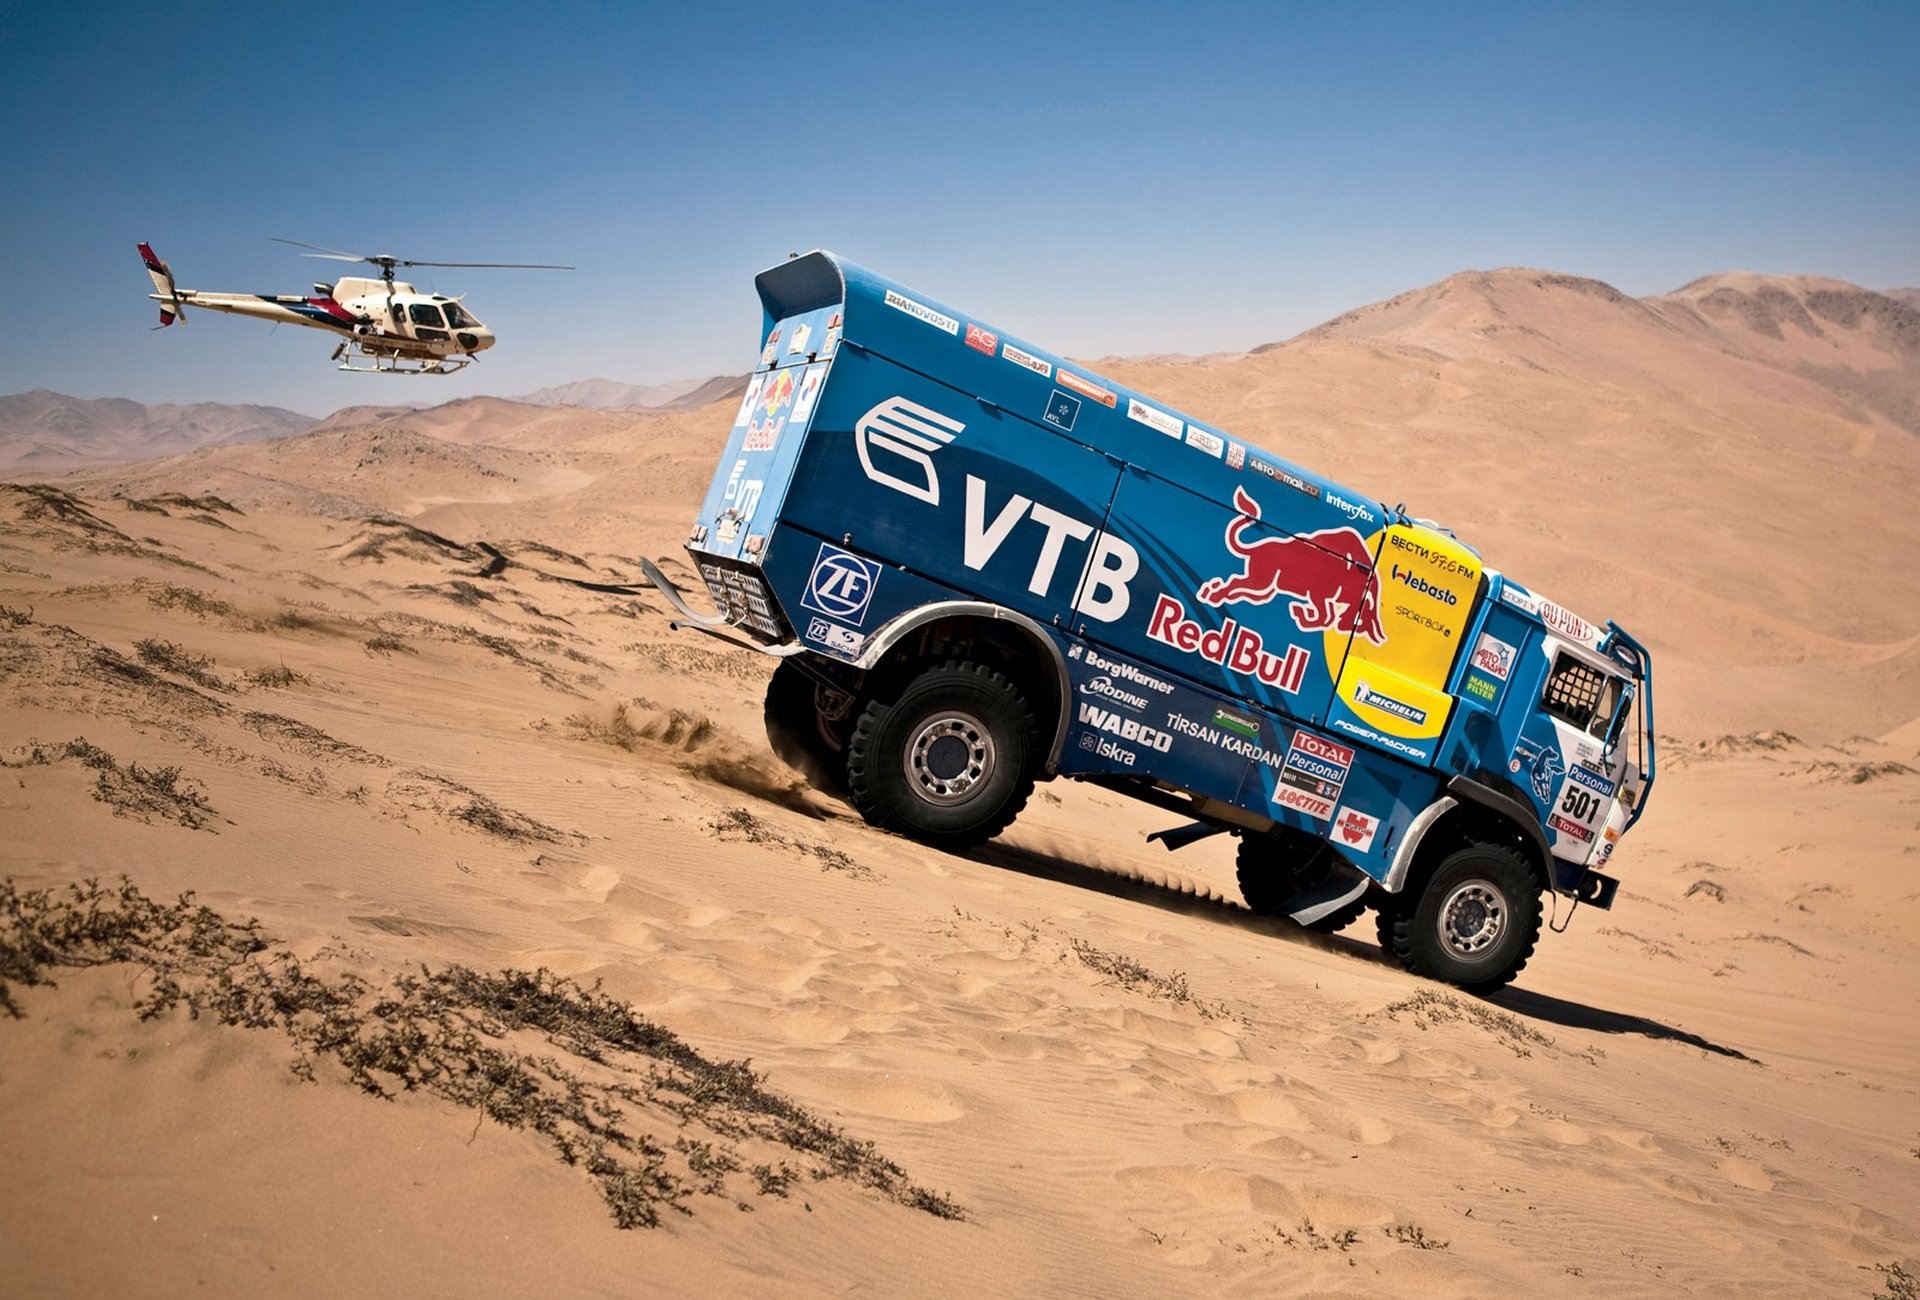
x,y
1115,178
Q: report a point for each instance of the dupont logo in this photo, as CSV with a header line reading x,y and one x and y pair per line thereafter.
x,y
906,435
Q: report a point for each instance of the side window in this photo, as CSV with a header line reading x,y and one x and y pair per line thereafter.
x,y
425,313
457,319
1573,692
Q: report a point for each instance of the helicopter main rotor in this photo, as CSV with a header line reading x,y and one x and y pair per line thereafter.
x,y
387,262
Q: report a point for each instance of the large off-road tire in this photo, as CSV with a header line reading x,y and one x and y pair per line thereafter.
x,y
948,762
1272,869
1475,923
801,732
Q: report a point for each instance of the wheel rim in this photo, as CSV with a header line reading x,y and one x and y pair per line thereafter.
x,y
949,758
1472,918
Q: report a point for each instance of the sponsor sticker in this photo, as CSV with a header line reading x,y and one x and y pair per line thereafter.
x,y
1236,455
1019,358
809,389
1354,830
1121,669
1106,688
1153,417
733,480
921,312
1062,410
798,343
1314,773
906,434
1230,721
1087,388
1598,782
1280,474
769,416
1482,687
1211,443
1493,656
1566,622
748,402
1520,598
1573,828
1351,509
1365,694
834,637
841,585
982,340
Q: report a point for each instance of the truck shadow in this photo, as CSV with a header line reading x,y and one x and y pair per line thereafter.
x,y
1189,899
1576,1015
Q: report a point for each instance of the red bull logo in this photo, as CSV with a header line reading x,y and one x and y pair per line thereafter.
x,y
1328,575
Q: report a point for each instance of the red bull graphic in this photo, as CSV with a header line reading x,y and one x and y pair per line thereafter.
x,y
1329,574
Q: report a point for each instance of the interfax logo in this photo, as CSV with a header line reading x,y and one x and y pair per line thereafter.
x,y
910,433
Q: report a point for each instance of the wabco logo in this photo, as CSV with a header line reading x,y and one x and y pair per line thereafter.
x,y
1329,574
912,433
841,585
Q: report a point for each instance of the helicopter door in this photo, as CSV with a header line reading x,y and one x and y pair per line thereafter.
x,y
429,326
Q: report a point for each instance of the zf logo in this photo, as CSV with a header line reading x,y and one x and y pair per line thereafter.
x,y
841,585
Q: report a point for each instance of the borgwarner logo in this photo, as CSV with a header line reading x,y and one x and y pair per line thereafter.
x,y
911,433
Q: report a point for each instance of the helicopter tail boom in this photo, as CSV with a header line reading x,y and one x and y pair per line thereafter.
x,y
167,294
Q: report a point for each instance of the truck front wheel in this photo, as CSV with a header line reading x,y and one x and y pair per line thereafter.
x,y
1474,925
948,763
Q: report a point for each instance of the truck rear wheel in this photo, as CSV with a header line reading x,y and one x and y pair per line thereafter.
x,y
948,763
1275,868
802,734
1474,925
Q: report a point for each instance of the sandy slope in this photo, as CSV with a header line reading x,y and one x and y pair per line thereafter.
x,y
1127,1083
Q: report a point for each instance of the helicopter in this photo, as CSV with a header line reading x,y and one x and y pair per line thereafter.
x,y
387,326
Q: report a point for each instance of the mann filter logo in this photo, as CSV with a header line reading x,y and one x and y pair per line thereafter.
x,y
906,434
841,585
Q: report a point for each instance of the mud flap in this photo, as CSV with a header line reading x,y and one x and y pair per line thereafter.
x,y
1327,897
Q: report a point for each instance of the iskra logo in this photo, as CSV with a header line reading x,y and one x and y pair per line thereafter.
x,y
841,585
906,434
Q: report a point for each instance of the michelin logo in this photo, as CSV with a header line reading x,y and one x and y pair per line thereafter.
x,y
911,433
1365,694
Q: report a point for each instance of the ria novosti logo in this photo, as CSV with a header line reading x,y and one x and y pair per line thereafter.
x,y
910,433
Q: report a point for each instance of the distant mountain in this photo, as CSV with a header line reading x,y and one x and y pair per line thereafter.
x,y
48,431
1911,297
611,395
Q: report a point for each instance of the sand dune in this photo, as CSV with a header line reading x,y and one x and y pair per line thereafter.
x,y
290,679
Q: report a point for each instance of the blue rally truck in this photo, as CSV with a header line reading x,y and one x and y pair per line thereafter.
x,y
981,566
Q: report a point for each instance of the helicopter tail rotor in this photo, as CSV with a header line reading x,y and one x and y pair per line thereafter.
x,y
165,290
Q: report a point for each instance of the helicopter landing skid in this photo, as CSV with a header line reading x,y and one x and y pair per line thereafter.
x,y
382,362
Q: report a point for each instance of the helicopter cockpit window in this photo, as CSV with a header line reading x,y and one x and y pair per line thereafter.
x,y
457,319
425,313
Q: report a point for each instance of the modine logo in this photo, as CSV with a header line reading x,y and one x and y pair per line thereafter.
x,y
1414,582
1104,686
1365,694
911,433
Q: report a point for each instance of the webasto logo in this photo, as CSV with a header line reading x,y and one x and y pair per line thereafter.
x,y
1414,582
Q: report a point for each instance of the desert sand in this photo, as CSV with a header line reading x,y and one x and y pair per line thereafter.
x,y
287,678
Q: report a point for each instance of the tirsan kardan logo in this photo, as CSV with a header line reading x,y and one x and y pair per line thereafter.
x,y
906,434
1329,575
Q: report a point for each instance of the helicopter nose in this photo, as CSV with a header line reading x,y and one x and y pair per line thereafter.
x,y
476,340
